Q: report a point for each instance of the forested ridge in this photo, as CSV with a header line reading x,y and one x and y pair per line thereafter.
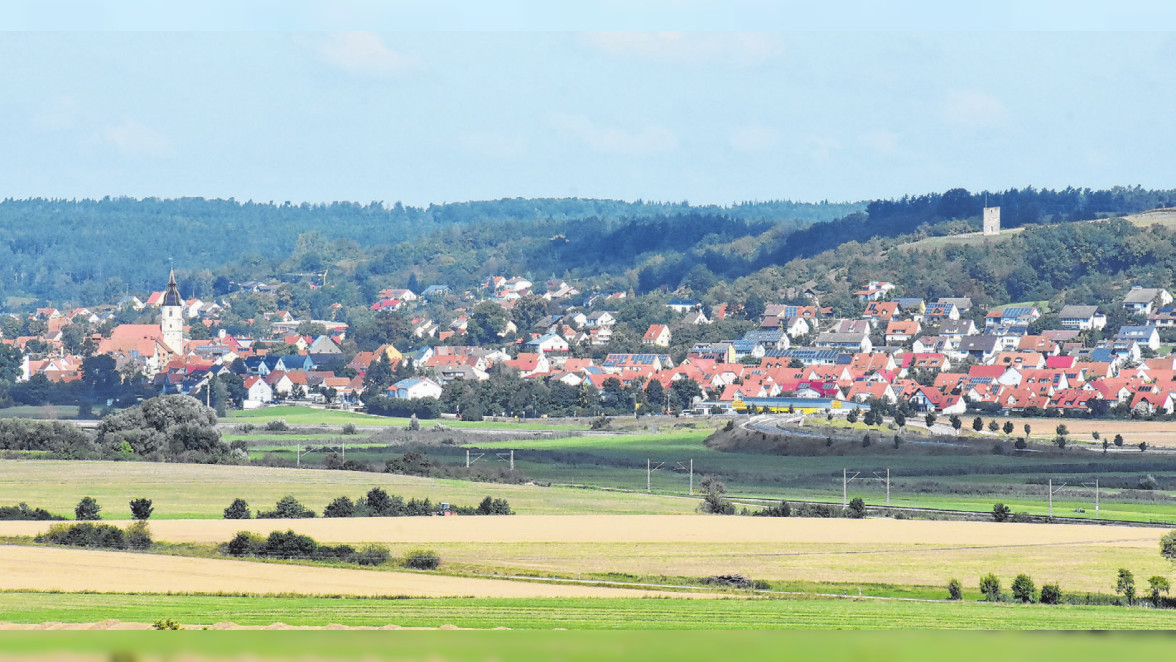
x,y
95,251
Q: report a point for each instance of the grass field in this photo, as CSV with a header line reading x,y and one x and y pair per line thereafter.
x,y
578,614
971,482
309,416
41,412
203,491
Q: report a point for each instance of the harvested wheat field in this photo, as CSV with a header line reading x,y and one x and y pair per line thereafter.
x,y
73,571
1155,433
640,529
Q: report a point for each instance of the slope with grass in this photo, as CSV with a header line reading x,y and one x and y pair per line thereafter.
x,y
204,491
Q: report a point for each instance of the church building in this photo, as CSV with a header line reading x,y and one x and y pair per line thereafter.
x,y
172,326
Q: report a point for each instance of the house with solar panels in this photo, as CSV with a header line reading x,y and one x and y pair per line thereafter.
x,y
1012,316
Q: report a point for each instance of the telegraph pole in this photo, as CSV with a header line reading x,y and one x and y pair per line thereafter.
x,y
648,476
691,476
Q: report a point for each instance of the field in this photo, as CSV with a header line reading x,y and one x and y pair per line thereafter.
x,y
78,571
580,614
1156,433
877,554
294,415
204,491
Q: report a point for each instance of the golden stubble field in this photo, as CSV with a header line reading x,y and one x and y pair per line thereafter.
x,y
684,529
903,552
73,570
1155,433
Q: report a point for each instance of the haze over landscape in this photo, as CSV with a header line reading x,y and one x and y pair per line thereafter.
x,y
688,322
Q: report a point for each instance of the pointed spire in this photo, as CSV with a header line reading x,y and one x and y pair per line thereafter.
x,y
172,296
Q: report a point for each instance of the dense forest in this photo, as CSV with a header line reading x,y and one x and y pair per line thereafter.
x,y
95,251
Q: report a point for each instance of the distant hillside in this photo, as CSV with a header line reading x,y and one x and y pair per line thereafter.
x,y
90,251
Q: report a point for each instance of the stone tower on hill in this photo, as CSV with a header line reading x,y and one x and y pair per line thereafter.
x,y
991,221
172,325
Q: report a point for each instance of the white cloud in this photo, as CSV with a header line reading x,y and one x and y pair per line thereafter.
x,y
364,54
745,48
136,139
754,138
650,139
970,108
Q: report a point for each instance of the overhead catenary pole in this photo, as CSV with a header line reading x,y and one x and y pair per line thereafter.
x,y
691,476
512,460
467,458
844,488
648,476
1096,498
1051,498
887,487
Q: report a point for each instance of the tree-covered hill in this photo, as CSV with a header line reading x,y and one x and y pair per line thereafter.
x,y
92,251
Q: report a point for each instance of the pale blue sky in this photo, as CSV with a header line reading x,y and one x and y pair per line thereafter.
x,y
463,103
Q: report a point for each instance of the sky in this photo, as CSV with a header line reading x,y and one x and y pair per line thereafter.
x,y
667,100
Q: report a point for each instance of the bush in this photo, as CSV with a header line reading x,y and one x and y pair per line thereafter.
x,y
1051,594
1024,589
287,508
349,428
378,503
817,510
341,507
85,535
990,587
1020,444
371,555
276,426
165,624
87,509
244,543
239,509
138,536
1000,512
856,509
141,508
782,510
289,545
494,507
955,590
1148,482
23,512
421,559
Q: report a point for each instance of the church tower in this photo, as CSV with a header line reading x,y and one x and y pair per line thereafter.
x,y
173,316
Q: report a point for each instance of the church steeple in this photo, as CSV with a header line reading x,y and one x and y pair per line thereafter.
x,y
172,324
172,296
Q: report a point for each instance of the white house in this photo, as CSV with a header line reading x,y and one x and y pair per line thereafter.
x,y
416,388
1082,318
257,392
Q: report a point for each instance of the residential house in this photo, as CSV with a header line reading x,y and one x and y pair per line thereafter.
x,y
875,290
1082,318
1148,336
1142,300
415,389
657,335
854,342
899,332
257,391
682,305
